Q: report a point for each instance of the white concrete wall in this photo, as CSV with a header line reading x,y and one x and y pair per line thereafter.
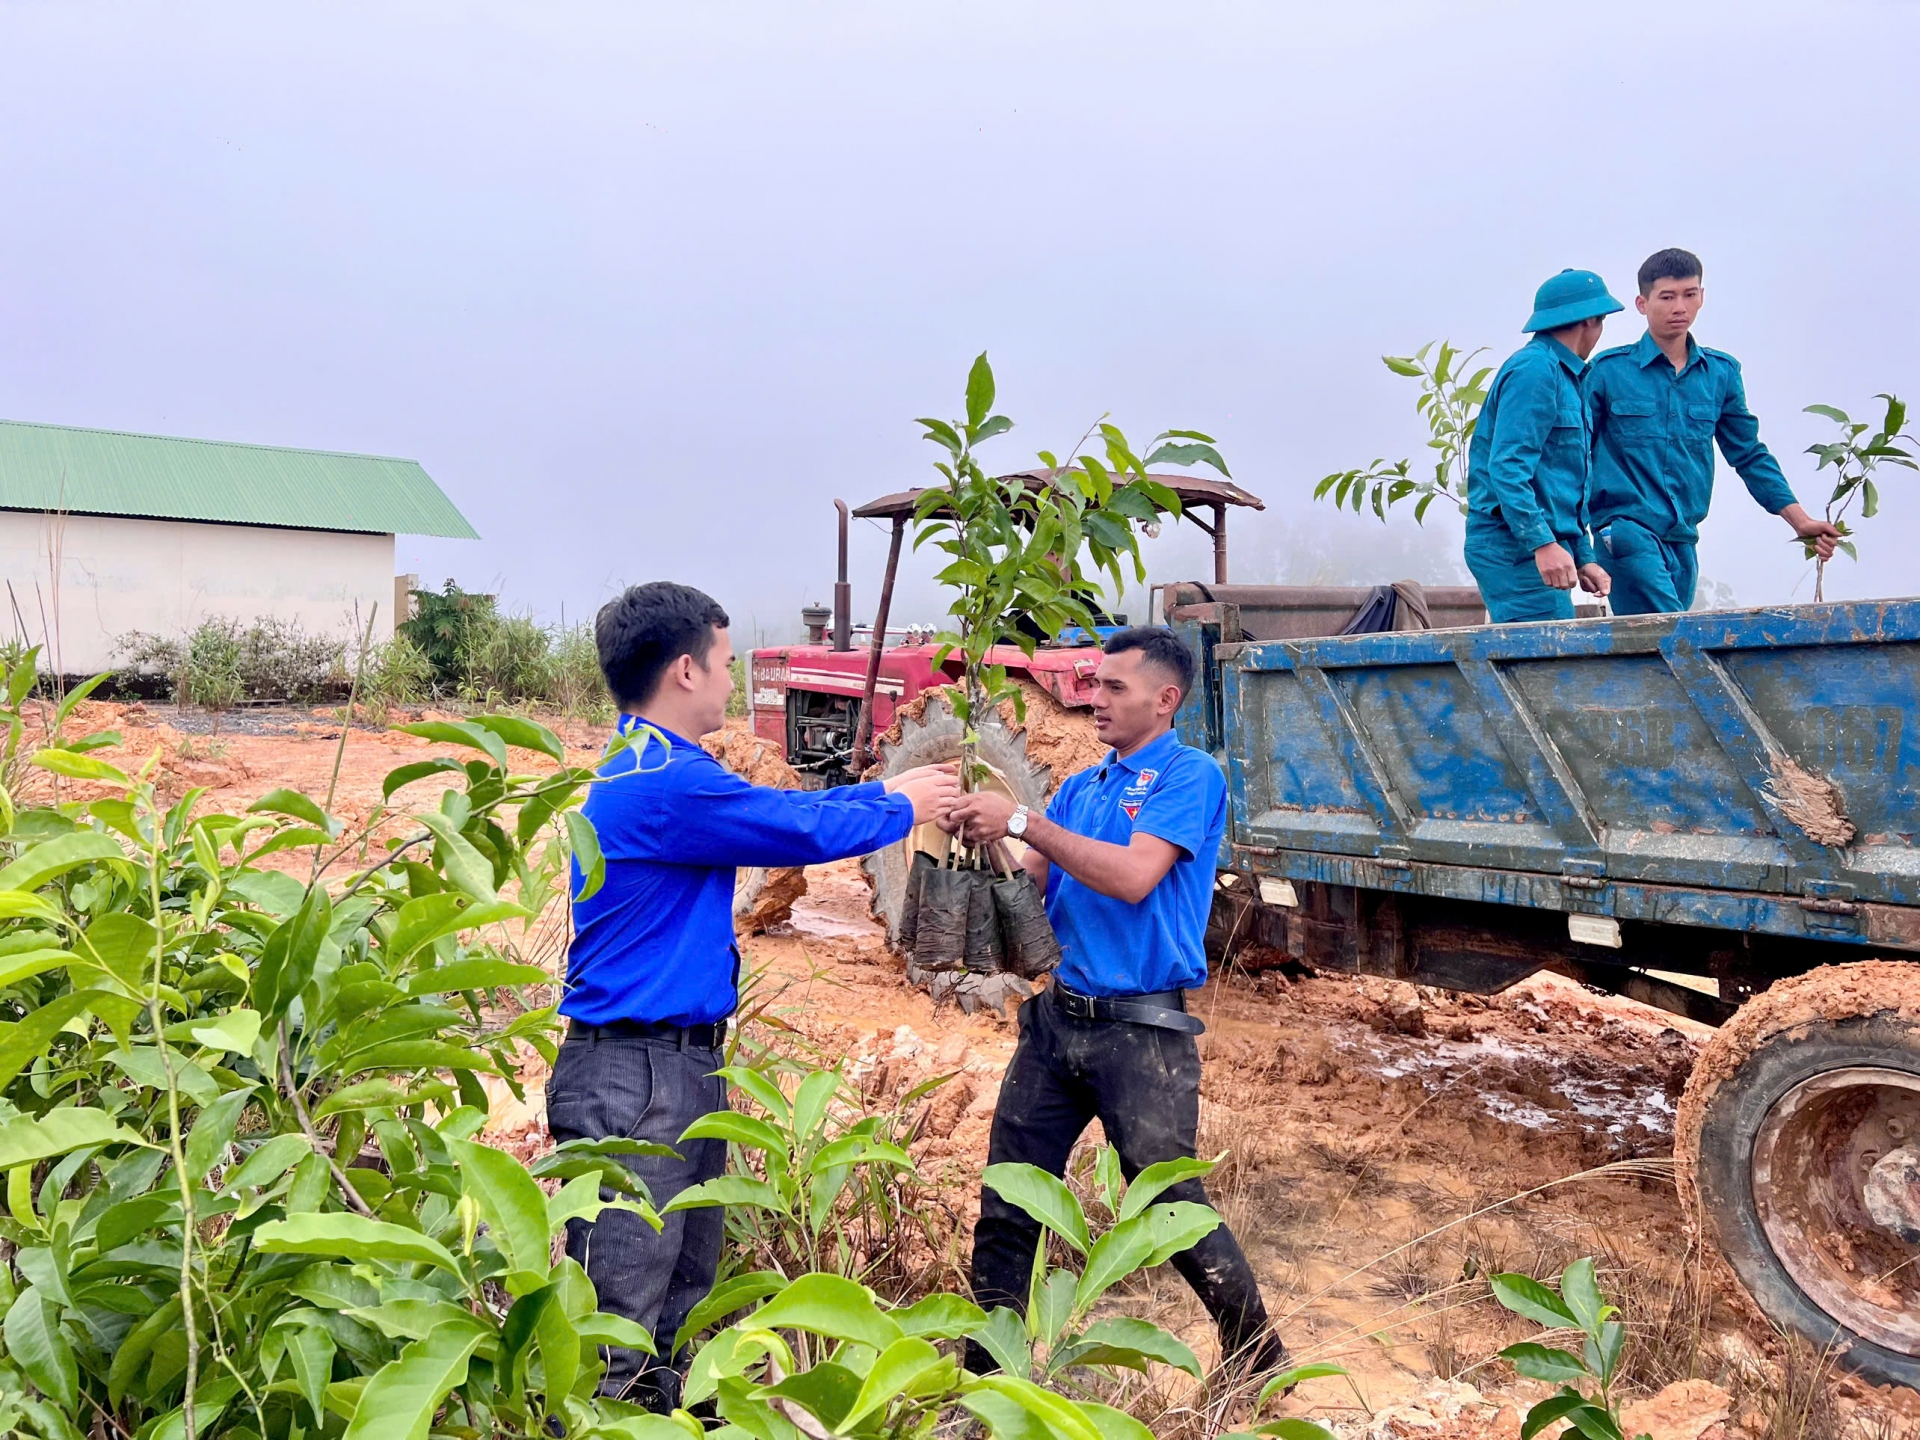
x,y
166,576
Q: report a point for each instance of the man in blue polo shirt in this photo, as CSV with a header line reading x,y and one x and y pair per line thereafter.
x,y
1527,540
652,973
1657,406
1126,852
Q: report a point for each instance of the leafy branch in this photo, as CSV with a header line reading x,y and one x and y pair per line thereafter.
x,y
1854,465
1450,400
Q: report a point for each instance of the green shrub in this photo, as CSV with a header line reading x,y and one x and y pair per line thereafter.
x,y
220,662
444,630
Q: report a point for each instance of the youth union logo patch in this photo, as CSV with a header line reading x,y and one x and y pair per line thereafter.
x,y
1135,794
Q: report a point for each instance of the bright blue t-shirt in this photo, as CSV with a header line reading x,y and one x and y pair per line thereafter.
x,y
655,941
1109,947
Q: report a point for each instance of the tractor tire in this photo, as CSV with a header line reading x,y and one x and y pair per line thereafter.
x,y
762,897
1797,1151
926,732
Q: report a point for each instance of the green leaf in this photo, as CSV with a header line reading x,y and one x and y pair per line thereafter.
x,y
34,1341
940,1317
80,767
1401,366
515,1210
1146,1240
353,1237
300,807
1580,1293
213,1131
1594,1423
728,1296
1294,1428
52,858
310,1348
475,973
1043,1197
810,1103
1526,1296
287,961
761,1088
235,1031
580,1198
737,1129
899,1369
464,865
421,921
979,390
523,734
601,1328
741,1190
28,963
585,844
1543,1362
267,1163
1549,1410
418,770
1839,417
1059,1416
400,1400
832,1306
1287,1379
381,1093
460,732
23,1041
1150,1182
1122,1340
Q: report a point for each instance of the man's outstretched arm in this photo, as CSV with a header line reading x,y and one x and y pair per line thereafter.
x,y
1125,872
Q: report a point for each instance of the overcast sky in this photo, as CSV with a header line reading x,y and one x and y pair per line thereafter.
x,y
645,287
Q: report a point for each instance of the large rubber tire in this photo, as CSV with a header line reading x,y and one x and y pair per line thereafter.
x,y
930,737
1809,1094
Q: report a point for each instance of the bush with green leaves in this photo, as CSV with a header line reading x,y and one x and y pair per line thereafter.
x,y
1450,401
239,1093
1856,462
1577,1306
221,662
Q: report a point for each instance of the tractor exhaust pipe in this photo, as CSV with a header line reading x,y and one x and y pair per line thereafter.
x,y
842,592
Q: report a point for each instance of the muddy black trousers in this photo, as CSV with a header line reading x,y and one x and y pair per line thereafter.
x,y
1144,1084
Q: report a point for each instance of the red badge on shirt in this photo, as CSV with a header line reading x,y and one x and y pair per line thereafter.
x,y
1135,795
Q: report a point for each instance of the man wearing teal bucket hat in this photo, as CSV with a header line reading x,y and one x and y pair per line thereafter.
x,y
1527,541
1657,407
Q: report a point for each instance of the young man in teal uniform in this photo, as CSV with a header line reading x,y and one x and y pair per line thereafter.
x,y
1527,542
1126,854
1657,406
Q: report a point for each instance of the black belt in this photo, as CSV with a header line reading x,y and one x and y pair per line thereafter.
x,y
1163,1009
704,1037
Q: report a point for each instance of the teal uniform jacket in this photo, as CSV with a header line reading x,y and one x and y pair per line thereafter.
x,y
1527,481
1653,433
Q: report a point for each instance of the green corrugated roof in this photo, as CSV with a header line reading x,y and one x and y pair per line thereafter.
x,y
110,472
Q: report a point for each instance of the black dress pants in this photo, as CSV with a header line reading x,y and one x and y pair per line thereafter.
x,y
1144,1084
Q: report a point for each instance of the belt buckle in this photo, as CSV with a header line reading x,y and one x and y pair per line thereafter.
x,y
1078,1007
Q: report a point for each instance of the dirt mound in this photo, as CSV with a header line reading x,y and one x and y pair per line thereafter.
x,y
757,761
1063,740
761,898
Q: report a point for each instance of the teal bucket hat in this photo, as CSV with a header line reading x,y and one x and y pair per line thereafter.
x,y
1570,296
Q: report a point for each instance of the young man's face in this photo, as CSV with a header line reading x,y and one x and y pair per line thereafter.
x,y
713,684
1131,699
1671,305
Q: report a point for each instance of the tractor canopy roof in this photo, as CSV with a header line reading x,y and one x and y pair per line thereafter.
x,y
1193,490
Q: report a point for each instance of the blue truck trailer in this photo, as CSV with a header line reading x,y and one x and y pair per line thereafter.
x,y
1715,813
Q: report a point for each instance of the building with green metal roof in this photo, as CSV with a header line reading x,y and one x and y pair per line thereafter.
x,y
103,533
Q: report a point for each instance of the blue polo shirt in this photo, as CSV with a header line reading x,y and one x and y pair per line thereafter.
x,y
1527,462
1109,947
655,941
1653,434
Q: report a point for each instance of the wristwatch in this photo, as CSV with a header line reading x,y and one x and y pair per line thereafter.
x,y
1017,822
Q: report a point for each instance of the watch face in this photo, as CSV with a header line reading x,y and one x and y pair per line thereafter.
x,y
1017,823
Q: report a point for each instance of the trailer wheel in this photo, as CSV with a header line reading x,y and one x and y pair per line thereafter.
x,y
926,732
1797,1147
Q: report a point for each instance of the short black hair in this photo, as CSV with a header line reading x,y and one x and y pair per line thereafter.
x,y
646,629
1157,646
1669,264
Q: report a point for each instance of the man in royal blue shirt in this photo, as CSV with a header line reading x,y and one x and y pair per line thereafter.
x,y
1657,407
652,973
1126,853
